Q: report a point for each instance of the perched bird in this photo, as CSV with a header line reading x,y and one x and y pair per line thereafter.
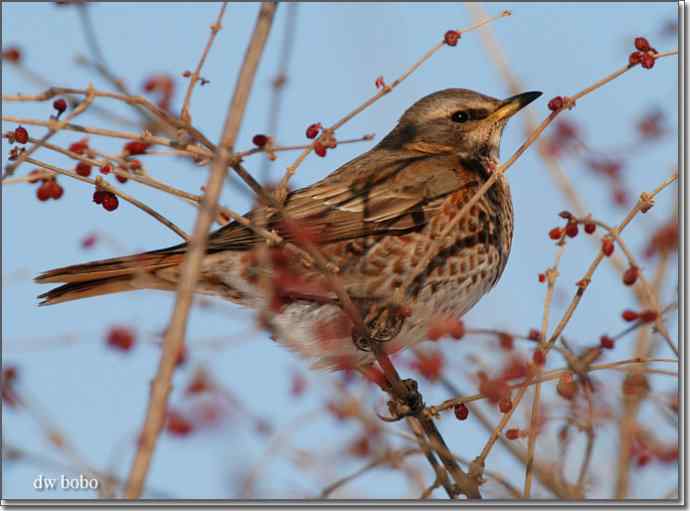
x,y
373,219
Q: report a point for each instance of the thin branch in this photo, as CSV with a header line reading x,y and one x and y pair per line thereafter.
x,y
196,75
191,265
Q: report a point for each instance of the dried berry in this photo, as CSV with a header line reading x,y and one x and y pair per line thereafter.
x,y
607,343
635,58
513,434
451,37
83,169
21,136
648,316
590,227
505,405
106,169
555,233
313,130
630,275
121,338
571,229
647,61
80,147
506,341
54,189
642,44
43,192
607,246
260,140
566,388
630,315
60,105
110,201
538,357
556,104
135,147
542,278
12,54
319,149
461,411
98,196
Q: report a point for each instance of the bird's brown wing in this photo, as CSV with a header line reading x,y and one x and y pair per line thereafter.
x,y
398,195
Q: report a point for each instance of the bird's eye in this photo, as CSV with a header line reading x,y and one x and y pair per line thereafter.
x,y
460,116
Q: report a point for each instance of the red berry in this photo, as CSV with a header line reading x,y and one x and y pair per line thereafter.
x,y
60,105
110,201
634,58
106,169
648,61
136,147
319,149
83,169
122,179
260,140
121,338
43,192
566,388
590,227
178,425
642,44
630,275
506,341
567,215
313,130
461,411
456,329
542,278
607,247
648,316
379,83
98,196
80,147
606,342
629,315
555,233
505,405
556,104
534,334
134,165
12,54
451,37
21,135
643,459
538,357
571,229
56,190
513,434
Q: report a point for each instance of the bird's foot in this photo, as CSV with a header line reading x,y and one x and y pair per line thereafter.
x,y
411,403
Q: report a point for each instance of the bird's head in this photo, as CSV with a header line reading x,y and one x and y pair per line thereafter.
x,y
456,120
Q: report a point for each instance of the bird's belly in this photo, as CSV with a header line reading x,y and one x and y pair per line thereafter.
x,y
322,332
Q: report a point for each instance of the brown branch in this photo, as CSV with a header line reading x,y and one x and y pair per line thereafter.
x,y
185,116
101,183
191,265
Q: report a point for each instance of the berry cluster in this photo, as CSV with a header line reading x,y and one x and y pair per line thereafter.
x,y
644,55
571,228
49,189
107,199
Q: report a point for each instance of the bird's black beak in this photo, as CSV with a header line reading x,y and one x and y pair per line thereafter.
x,y
514,104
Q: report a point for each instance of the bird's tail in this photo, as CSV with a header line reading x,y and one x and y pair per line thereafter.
x,y
108,276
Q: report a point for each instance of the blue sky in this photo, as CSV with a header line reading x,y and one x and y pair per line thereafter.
x,y
98,397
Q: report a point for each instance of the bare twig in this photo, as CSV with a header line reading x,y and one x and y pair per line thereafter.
x,y
191,265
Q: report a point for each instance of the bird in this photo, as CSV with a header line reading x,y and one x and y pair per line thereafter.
x,y
372,220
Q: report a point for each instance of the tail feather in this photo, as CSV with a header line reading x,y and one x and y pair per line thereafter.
x,y
108,276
